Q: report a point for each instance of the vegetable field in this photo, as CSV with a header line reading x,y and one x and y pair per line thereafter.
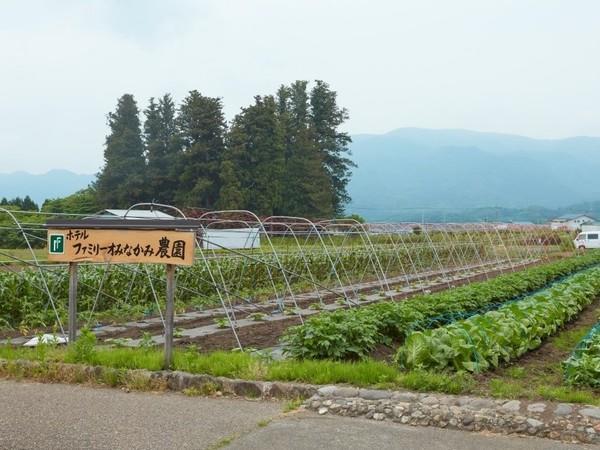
x,y
486,340
299,265
355,332
453,301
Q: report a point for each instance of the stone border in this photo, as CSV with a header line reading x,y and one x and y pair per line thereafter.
x,y
562,421
141,379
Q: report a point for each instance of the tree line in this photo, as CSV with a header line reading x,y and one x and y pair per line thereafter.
x,y
18,203
282,155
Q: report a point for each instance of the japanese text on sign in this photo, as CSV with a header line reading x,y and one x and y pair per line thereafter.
x,y
122,246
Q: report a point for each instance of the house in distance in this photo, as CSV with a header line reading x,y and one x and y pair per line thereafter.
x,y
571,222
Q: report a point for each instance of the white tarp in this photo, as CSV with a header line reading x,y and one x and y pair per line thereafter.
x,y
235,238
46,339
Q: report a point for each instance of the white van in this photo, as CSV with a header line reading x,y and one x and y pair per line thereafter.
x,y
588,239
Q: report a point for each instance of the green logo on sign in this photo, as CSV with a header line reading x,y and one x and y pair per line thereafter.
x,y
56,245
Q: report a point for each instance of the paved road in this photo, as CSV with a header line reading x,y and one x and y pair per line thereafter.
x,y
310,432
52,416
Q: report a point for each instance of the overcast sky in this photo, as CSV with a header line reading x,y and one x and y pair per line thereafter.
x,y
524,67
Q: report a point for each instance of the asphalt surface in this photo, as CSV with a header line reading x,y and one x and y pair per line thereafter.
x,y
307,431
56,416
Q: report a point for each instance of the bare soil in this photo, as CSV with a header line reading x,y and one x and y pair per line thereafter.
x,y
261,335
273,333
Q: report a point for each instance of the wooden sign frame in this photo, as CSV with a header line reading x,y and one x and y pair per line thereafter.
x,y
124,241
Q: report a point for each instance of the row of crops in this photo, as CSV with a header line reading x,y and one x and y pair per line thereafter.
x,y
486,340
583,366
354,333
131,289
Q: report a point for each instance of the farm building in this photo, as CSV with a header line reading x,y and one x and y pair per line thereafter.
x,y
571,221
232,238
132,214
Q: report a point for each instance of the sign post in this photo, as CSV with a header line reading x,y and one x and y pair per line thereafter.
x,y
169,315
72,302
122,241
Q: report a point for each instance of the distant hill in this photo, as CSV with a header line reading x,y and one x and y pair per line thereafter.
x,y
413,173
55,183
458,169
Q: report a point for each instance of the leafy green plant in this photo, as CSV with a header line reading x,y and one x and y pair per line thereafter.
x,y
41,349
486,340
23,304
354,332
221,322
290,312
118,342
146,341
257,317
83,350
583,366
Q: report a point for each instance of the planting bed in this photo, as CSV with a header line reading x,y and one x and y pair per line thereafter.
x,y
539,374
200,326
486,340
582,368
356,332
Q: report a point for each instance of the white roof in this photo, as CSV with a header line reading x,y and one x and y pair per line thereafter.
x,y
567,217
136,214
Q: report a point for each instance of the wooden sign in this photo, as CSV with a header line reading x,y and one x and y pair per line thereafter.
x,y
121,246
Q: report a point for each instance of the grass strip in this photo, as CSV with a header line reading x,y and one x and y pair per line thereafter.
x,y
244,365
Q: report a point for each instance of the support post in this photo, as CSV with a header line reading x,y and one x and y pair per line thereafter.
x,y
72,302
169,316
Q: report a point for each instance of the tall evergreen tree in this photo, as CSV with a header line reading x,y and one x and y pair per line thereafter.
x,y
326,118
162,149
121,181
28,204
306,188
254,158
231,195
201,125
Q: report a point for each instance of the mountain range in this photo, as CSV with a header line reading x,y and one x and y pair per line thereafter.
x,y
414,173
52,184
412,169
